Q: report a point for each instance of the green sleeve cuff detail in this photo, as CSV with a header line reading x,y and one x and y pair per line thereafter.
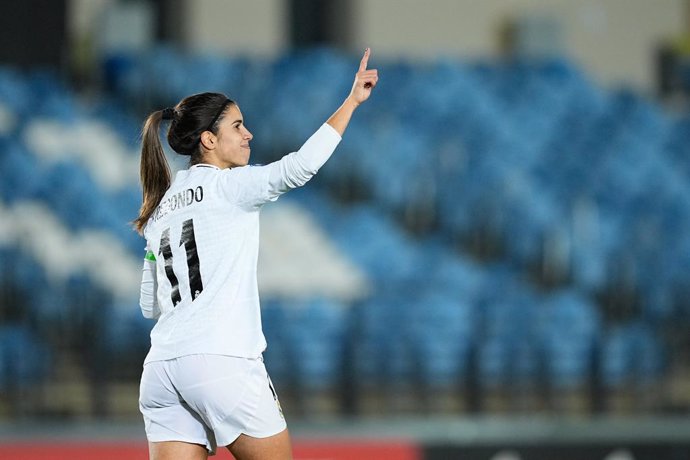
x,y
149,256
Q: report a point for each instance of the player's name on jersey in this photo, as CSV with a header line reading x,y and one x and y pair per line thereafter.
x,y
179,200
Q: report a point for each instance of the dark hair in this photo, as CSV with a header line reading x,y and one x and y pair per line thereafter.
x,y
191,116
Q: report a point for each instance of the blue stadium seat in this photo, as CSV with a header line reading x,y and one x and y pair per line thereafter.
x,y
493,361
125,331
443,331
315,332
571,334
15,92
617,358
632,354
278,355
25,359
20,173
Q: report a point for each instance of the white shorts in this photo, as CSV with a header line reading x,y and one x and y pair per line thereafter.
x,y
208,400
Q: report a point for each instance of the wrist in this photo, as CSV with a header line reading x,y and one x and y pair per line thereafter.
x,y
351,102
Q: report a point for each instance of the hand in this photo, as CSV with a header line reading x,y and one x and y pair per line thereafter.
x,y
365,80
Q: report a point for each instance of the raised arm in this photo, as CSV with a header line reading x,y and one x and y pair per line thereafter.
x,y
365,81
266,183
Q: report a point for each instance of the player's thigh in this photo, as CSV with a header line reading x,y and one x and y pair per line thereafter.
x,y
176,450
276,447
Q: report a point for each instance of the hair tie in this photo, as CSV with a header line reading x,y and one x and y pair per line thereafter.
x,y
168,113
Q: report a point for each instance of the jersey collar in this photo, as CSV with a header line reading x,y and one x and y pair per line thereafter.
x,y
205,165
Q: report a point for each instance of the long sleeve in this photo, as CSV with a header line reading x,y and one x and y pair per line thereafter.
x,y
147,296
295,169
252,186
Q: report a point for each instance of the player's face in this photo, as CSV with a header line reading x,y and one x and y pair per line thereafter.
x,y
232,140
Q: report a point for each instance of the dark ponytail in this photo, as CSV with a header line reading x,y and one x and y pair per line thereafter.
x,y
154,170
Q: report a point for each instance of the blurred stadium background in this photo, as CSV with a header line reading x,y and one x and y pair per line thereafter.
x,y
494,265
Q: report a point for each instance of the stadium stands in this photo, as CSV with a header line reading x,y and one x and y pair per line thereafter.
x,y
495,208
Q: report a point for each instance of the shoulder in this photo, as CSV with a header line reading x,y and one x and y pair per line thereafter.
x,y
244,174
246,185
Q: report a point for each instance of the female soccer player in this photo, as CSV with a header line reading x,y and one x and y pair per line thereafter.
x,y
204,383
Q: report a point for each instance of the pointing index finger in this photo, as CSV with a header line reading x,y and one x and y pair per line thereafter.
x,y
365,60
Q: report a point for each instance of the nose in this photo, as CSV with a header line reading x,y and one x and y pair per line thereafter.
x,y
248,135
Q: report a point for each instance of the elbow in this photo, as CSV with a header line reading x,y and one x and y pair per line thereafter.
x,y
146,313
149,305
299,170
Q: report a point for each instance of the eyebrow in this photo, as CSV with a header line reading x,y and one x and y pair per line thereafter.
x,y
237,121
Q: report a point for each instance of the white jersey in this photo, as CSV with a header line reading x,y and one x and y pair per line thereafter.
x,y
204,237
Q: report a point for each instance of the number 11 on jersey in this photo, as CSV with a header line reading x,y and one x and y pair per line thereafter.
x,y
189,241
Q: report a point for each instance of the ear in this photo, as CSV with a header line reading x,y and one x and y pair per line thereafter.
x,y
208,140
